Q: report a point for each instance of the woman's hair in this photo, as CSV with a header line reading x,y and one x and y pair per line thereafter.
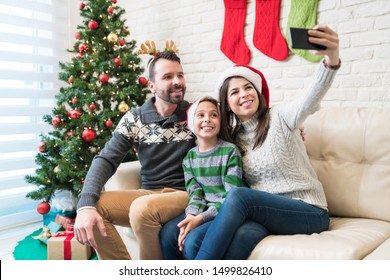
x,y
230,123
168,55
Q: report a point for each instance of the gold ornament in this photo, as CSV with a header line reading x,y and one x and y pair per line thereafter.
x,y
56,169
112,38
123,107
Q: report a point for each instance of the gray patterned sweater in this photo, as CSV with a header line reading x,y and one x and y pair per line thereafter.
x,y
281,165
161,144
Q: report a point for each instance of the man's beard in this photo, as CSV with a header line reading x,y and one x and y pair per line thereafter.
x,y
166,95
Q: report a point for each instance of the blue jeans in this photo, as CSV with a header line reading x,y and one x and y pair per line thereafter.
x,y
244,241
277,214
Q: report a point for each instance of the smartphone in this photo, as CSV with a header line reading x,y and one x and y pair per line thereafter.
x,y
299,39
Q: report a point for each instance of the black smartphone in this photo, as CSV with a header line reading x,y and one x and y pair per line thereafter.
x,y
299,39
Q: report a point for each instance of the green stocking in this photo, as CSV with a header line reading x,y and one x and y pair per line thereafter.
x,y
303,14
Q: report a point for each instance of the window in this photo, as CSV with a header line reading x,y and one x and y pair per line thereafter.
x,y
33,40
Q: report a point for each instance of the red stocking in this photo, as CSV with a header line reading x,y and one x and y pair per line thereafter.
x,y
233,43
267,36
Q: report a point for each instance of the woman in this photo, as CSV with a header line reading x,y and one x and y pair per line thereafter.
x,y
285,196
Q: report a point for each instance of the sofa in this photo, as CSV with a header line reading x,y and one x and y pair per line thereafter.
x,y
349,149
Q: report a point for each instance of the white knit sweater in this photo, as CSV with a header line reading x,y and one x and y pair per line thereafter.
x,y
281,165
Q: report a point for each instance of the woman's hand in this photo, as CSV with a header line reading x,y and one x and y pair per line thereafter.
x,y
323,35
189,223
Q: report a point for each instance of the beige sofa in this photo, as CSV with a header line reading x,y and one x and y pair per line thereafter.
x,y
350,151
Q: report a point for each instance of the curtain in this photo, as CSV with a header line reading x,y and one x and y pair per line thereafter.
x,y
34,37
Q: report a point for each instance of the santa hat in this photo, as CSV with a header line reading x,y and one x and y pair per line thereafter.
x,y
191,115
251,74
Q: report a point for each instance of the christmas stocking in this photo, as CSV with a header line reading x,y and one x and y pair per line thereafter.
x,y
267,36
233,43
303,14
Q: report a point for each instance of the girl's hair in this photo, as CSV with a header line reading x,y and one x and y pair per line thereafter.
x,y
211,100
230,123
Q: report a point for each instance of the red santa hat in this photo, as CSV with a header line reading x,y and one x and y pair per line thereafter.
x,y
251,74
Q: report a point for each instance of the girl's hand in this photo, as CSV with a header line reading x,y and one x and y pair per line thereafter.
x,y
189,223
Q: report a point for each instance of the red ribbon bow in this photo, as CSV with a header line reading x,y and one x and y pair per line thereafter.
x,y
67,244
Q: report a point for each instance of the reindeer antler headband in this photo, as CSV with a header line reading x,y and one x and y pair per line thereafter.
x,y
149,47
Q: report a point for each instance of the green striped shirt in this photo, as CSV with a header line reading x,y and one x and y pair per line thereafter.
x,y
209,176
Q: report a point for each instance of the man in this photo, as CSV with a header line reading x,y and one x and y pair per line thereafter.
x,y
158,130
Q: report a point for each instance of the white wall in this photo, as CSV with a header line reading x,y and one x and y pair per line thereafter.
x,y
196,27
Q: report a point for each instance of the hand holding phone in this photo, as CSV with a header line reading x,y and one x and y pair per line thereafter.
x,y
299,39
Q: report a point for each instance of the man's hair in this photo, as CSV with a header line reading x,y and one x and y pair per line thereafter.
x,y
168,55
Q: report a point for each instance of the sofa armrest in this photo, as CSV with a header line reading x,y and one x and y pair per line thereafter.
x,y
126,177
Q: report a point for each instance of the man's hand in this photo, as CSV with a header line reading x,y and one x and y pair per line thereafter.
x,y
85,221
189,223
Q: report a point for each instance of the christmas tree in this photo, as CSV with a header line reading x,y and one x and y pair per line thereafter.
x,y
103,82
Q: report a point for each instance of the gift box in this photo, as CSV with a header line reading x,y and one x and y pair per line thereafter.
x,y
51,216
64,246
63,203
47,232
66,222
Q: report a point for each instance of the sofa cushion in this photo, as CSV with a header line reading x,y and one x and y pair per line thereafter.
x,y
380,253
347,239
350,152
126,177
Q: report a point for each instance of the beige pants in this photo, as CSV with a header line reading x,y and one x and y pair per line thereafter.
x,y
145,211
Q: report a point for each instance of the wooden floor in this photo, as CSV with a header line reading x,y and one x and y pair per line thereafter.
x,y
9,238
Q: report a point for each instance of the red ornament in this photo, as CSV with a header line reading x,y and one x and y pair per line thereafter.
x,y
70,80
56,121
79,55
117,61
93,24
109,123
77,35
142,81
69,133
103,78
74,100
114,1
110,10
92,106
82,5
41,148
74,114
83,47
43,208
88,134
121,42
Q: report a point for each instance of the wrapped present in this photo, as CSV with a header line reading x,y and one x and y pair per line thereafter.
x,y
66,222
63,246
63,203
47,232
52,215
